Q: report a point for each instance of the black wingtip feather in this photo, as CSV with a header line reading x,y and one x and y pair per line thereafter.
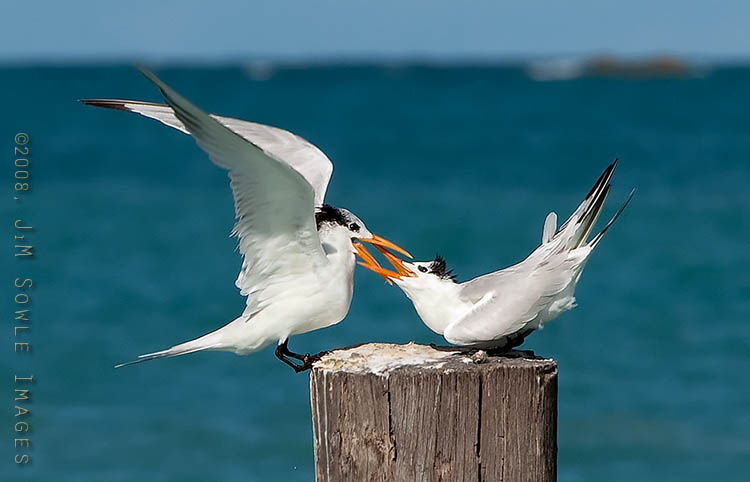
x,y
106,103
609,224
603,178
601,183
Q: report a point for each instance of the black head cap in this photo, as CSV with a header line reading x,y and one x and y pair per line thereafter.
x,y
329,214
439,268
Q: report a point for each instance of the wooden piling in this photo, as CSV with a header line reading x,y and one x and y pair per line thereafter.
x,y
402,413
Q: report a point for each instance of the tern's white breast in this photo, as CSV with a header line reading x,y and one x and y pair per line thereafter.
x,y
436,302
292,305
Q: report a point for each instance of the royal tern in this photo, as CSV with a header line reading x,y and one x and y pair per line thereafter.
x,y
298,253
498,310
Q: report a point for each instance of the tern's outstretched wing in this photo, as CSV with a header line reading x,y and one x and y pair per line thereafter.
x,y
571,235
303,156
507,301
273,203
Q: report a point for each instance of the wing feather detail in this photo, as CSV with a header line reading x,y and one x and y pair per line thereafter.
x,y
300,154
274,204
510,300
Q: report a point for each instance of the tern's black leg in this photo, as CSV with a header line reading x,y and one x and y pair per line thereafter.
x,y
283,353
290,353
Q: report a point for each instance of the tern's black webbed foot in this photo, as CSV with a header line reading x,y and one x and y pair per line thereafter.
x,y
457,349
310,359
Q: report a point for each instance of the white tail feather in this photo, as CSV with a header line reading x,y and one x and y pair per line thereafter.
x,y
209,341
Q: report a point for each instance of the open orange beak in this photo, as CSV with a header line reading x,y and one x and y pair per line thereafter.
x,y
396,262
372,264
378,241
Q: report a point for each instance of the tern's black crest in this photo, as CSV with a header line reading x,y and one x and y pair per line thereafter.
x,y
329,214
439,268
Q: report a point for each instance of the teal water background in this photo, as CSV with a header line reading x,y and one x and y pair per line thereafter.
x,y
133,255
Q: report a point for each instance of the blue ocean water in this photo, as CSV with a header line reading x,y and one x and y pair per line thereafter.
x,y
131,233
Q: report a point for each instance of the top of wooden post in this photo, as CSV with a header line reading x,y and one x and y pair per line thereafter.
x,y
383,412
382,358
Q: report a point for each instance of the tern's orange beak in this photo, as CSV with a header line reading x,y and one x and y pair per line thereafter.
x,y
371,263
378,241
397,262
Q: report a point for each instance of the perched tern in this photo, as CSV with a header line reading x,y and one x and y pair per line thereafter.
x,y
498,310
298,253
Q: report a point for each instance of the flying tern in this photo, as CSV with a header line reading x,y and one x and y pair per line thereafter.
x,y
498,310
298,253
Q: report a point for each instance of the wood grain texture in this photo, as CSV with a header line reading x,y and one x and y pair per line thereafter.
x,y
413,413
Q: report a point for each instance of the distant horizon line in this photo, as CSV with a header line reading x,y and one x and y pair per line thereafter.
x,y
362,60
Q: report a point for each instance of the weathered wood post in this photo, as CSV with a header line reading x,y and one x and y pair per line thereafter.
x,y
401,413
